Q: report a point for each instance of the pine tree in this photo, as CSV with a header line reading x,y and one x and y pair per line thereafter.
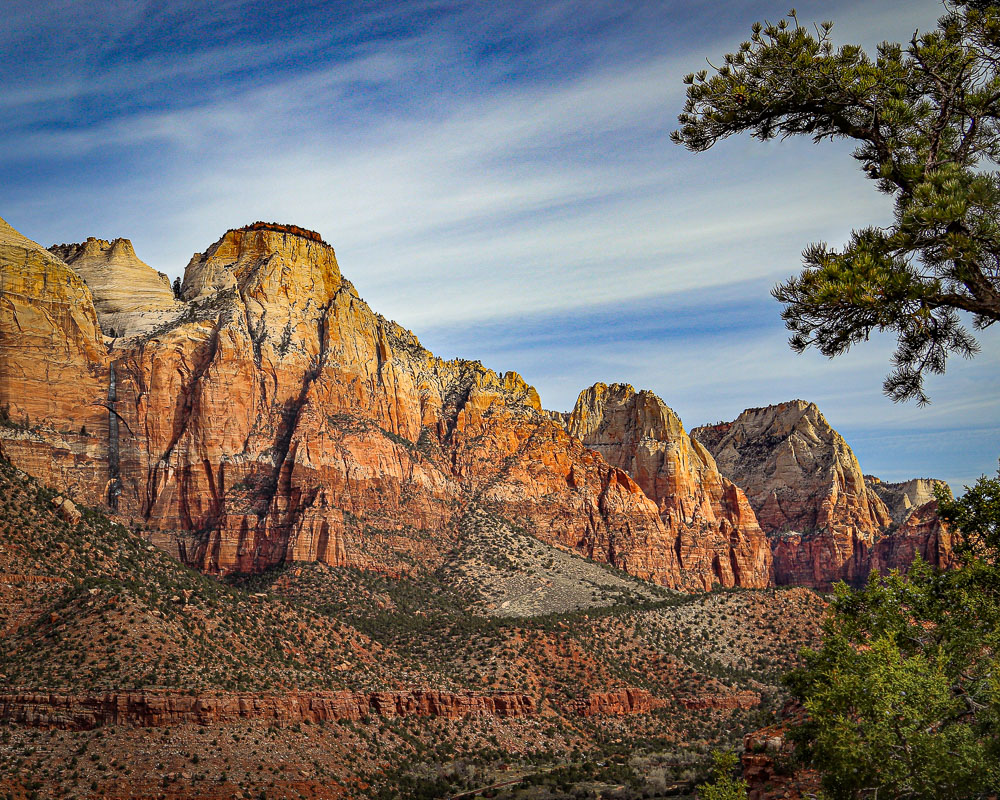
x,y
926,120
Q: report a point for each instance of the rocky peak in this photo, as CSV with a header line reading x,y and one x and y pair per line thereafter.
x,y
827,520
130,297
902,499
239,256
93,248
718,537
799,473
603,413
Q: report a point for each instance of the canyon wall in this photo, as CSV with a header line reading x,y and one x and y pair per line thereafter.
x,y
269,415
717,537
155,709
827,521
280,419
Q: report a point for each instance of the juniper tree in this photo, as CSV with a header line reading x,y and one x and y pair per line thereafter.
x,y
926,120
902,698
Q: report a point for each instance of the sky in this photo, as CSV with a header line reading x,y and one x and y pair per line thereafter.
x,y
496,177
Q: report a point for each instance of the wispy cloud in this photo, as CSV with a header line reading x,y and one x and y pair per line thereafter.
x,y
495,176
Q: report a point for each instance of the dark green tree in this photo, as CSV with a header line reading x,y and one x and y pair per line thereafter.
x,y
722,784
926,120
903,697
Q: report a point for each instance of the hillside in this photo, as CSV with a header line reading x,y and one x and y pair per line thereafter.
x,y
115,659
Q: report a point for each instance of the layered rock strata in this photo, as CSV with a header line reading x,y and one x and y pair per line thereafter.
x,y
280,419
826,521
902,499
53,369
130,297
716,535
164,708
619,702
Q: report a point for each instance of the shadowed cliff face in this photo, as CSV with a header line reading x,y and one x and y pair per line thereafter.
x,y
826,521
715,531
281,419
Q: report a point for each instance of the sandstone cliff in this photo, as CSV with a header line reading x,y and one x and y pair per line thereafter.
x,y
827,522
53,368
280,419
902,499
155,709
716,534
272,416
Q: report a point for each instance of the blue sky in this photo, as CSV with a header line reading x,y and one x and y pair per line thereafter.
x,y
495,176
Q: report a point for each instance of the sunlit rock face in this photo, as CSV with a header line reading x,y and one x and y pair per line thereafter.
x,y
902,499
53,369
278,418
810,495
714,530
130,297
269,415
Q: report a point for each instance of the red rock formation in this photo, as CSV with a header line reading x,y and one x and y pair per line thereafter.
x,y
281,419
767,767
768,764
53,370
723,702
163,708
798,472
715,532
620,702
826,521
922,532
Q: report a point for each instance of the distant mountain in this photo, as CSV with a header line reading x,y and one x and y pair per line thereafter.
x,y
826,520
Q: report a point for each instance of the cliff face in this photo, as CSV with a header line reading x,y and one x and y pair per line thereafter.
x,y
272,416
279,418
827,522
716,534
154,709
902,499
53,368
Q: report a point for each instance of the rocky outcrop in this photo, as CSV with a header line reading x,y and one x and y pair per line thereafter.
x,y
53,369
797,471
902,499
620,702
768,762
67,509
923,533
714,530
280,419
152,709
826,520
130,297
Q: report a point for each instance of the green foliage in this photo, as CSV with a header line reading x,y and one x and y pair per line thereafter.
x,y
903,697
723,786
926,120
975,518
